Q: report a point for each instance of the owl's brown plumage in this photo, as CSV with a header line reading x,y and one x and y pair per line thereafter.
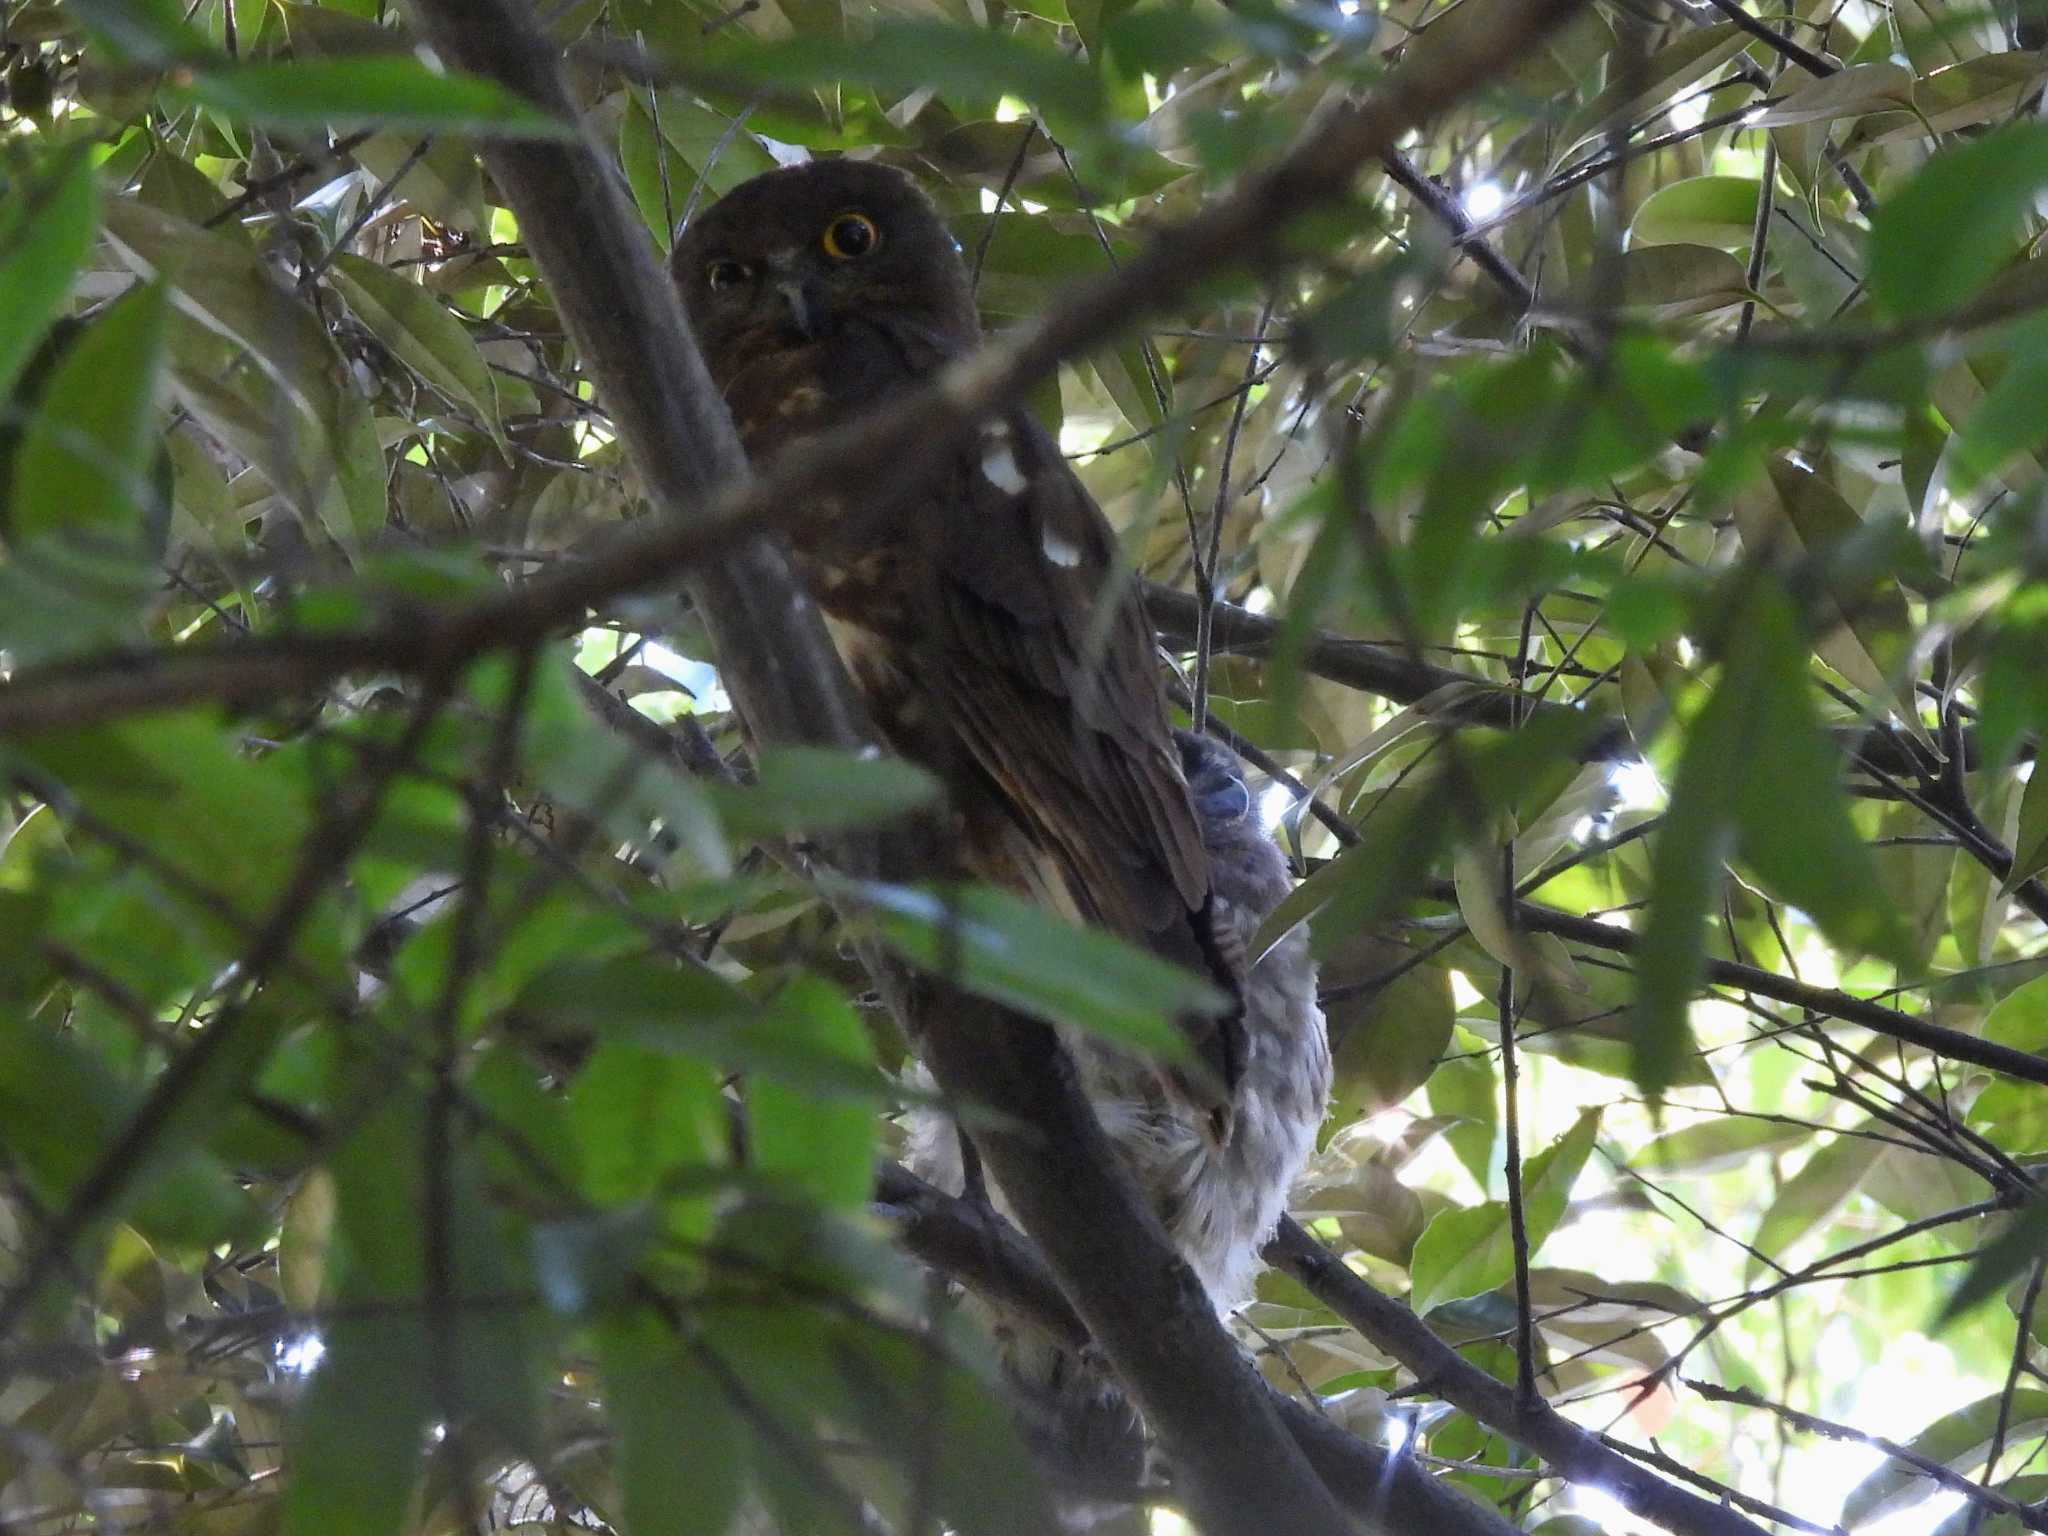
x,y
982,614
984,617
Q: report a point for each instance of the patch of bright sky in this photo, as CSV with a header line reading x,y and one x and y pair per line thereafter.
x,y
1688,113
1484,199
1911,1381
990,202
1274,803
300,1353
1636,785
601,646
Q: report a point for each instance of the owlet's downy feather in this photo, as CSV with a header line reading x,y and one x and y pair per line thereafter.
x,y
986,622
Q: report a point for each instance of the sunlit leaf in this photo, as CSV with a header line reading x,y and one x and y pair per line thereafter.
x,y
1469,1252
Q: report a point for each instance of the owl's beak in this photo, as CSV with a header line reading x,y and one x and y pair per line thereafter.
x,y
802,311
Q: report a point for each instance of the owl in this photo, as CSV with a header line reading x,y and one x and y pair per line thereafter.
x,y
984,617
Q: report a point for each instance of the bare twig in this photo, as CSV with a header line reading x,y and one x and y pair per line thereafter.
x,y
2026,1514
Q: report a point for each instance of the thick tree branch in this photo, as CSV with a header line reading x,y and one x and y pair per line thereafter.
x,y
991,1258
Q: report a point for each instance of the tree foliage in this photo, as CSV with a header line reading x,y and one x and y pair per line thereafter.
x,y
440,1074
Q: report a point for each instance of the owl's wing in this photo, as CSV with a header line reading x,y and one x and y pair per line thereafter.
x,y
1060,704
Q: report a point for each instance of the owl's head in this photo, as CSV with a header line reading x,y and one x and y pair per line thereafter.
x,y
793,255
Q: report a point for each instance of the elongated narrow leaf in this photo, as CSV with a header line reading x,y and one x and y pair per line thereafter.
x,y
1812,1195
395,91
2000,1262
811,790
682,1446
821,1148
1794,821
1004,948
421,334
44,248
359,1435
1791,826
1717,1145
85,459
970,63
1944,234
2030,848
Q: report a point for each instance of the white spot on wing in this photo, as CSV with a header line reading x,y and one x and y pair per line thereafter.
x,y
998,463
1059,551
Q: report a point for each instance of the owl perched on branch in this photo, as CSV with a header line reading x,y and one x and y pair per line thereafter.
x,y
984,616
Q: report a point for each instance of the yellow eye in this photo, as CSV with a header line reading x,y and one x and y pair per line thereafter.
x,y
725,273
850,235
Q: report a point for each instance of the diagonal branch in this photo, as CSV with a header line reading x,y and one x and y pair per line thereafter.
x,y
1574,1452
977,1247
1939,1039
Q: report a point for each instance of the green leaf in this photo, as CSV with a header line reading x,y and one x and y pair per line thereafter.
x,y
1718,1145
42,248
2030,848
1398,845
1864,628
358,1435
686,1010
143,31
640,1118
85,459
421,334
1851,92
312,453
1468,1252
820,1148
1808,1199
64,1112
1685,873
397,92
2006,1258
1694,52
690,133
1002,947
1715,211
1969,1520
2006,422
181,785
1387,1039
1467,1088
1791,826
966,64
1947,232
800,790
681,1447
1959,1441
1668,282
